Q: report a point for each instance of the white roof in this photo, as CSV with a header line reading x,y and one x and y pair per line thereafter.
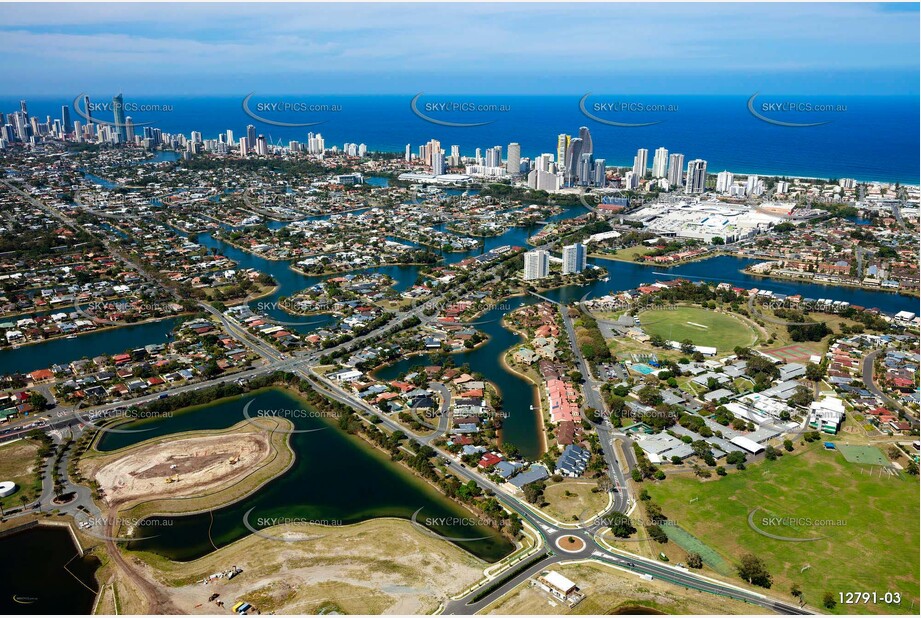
x,y
749,445
559,581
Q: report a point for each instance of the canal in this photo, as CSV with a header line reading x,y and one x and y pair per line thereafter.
x,y
523,426
43,573
336,476
31,356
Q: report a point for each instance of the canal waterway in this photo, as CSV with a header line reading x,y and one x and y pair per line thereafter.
x,y
43,573
336,478
522,427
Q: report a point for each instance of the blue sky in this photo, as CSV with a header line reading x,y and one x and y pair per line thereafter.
x,y
684,48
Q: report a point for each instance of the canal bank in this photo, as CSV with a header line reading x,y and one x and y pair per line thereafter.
x,y
336,477
105,341
522,426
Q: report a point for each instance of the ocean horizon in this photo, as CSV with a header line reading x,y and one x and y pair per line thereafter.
x,y
868,138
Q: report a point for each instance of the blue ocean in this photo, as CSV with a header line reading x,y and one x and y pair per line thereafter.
x,y
867,138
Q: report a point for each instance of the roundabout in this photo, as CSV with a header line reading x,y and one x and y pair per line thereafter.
x,y
570,544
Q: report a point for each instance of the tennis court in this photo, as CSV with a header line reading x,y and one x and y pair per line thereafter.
x,y
863,455
791,353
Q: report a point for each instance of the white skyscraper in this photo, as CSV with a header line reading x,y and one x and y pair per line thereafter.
x,y
536,264
408,155
696,181
676,170
244,146
574,258
513,162
129,129
544,181
494,156
639,162
438,163
631,181
723,182
229,137
600,179
660,163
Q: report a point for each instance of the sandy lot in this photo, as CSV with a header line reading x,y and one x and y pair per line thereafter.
x,y
184,467
611,591
382,566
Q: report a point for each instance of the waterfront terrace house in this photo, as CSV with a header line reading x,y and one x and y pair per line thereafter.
x,y
535,473
573,461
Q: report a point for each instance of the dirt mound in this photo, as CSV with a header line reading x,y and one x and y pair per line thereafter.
x,y
183,467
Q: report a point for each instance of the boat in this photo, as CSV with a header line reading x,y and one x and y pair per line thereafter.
x,y
70,337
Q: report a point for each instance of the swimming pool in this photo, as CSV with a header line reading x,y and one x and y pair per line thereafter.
x,y
642,368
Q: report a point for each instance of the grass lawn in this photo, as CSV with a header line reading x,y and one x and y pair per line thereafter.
x,y
17,464
869,524
624,255
702,326
580,502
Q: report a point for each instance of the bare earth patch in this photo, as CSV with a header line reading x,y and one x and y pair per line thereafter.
x,y
184,467
381,566
611,591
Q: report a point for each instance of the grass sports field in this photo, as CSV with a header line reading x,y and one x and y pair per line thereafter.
x,y
866,525
702,326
